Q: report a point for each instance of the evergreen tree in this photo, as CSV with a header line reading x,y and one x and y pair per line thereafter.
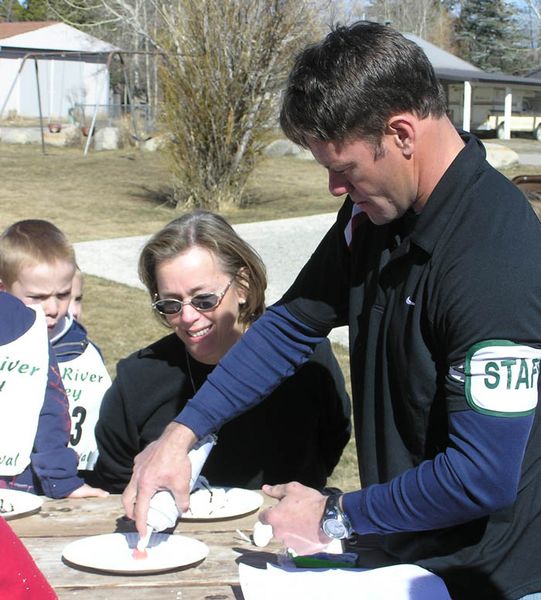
x,y
74,12
35,10
487,35
10,10
429,19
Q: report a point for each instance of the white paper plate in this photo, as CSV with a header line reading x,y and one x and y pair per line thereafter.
x,y
16,504
113,553
222,503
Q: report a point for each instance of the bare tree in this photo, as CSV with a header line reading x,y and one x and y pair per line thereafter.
x,y
224,65
535,6
342,11
429,19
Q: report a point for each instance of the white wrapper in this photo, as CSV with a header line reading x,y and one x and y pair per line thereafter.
x,y
163,512
262,534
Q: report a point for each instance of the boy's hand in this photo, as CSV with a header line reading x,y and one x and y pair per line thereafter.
x,y
86,491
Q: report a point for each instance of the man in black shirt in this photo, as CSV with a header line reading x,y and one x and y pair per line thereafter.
x,y
434,264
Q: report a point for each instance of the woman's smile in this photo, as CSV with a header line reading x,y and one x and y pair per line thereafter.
x,y
207,334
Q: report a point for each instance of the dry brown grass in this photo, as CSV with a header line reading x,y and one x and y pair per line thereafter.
x,y
125,192
103,195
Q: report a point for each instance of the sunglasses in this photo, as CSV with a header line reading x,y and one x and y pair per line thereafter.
x,y
201,302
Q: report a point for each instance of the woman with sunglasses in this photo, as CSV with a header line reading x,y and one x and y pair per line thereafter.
x,y
207,285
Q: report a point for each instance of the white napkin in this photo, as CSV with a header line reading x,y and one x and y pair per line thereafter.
x,y
399,582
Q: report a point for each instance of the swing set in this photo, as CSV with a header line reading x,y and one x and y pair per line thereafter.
x,y
138,127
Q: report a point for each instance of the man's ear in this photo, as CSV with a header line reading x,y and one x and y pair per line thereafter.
x,y
2,286
402,128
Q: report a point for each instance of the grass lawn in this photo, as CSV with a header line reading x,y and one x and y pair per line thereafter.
x,y
124,193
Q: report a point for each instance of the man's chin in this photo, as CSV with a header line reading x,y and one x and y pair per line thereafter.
x,y
379,219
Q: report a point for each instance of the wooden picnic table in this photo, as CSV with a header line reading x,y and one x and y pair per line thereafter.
x,y
60,522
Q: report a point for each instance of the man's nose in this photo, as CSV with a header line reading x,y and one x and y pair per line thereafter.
x,y
339,184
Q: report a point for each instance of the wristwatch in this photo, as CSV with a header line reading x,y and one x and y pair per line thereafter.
x,y
335,523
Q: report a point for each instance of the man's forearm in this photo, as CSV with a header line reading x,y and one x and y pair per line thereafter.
x,y
270,351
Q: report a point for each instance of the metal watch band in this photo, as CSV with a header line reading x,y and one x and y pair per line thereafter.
x,y
335,523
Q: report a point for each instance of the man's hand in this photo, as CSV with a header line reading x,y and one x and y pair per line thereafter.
x,y
296,518
164,464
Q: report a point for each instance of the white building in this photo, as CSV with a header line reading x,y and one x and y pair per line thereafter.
x,y
70,66
482,101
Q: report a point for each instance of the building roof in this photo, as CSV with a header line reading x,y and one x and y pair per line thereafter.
x,y
441,59
50,36
449,67
10,29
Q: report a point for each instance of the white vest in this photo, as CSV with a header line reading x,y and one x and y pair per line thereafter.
x,y
24,371
86,380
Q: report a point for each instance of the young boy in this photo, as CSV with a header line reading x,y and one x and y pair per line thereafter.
x,y
37,265
35,425
76,303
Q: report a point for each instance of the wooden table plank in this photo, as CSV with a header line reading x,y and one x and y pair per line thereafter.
x,y
93,516
85,516
147,593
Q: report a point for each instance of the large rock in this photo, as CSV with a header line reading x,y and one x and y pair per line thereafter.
x,y
69,135
20,135
107,138
499,156
281,148
287,148
155,143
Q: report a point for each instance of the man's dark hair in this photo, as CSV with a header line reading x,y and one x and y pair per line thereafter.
x,y
350,84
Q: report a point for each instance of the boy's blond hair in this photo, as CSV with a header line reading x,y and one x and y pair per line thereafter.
x,y
30,242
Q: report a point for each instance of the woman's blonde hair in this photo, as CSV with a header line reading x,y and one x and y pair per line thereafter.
x,y
208,230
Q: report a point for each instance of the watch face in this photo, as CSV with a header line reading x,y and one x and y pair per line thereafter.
x,y
334,528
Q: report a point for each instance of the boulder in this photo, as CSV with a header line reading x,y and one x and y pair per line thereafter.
x,y
153,144
287,148
20,135
499,156
107,138
69,135
281,148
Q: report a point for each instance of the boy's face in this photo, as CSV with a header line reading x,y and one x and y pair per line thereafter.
x,y
48,285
